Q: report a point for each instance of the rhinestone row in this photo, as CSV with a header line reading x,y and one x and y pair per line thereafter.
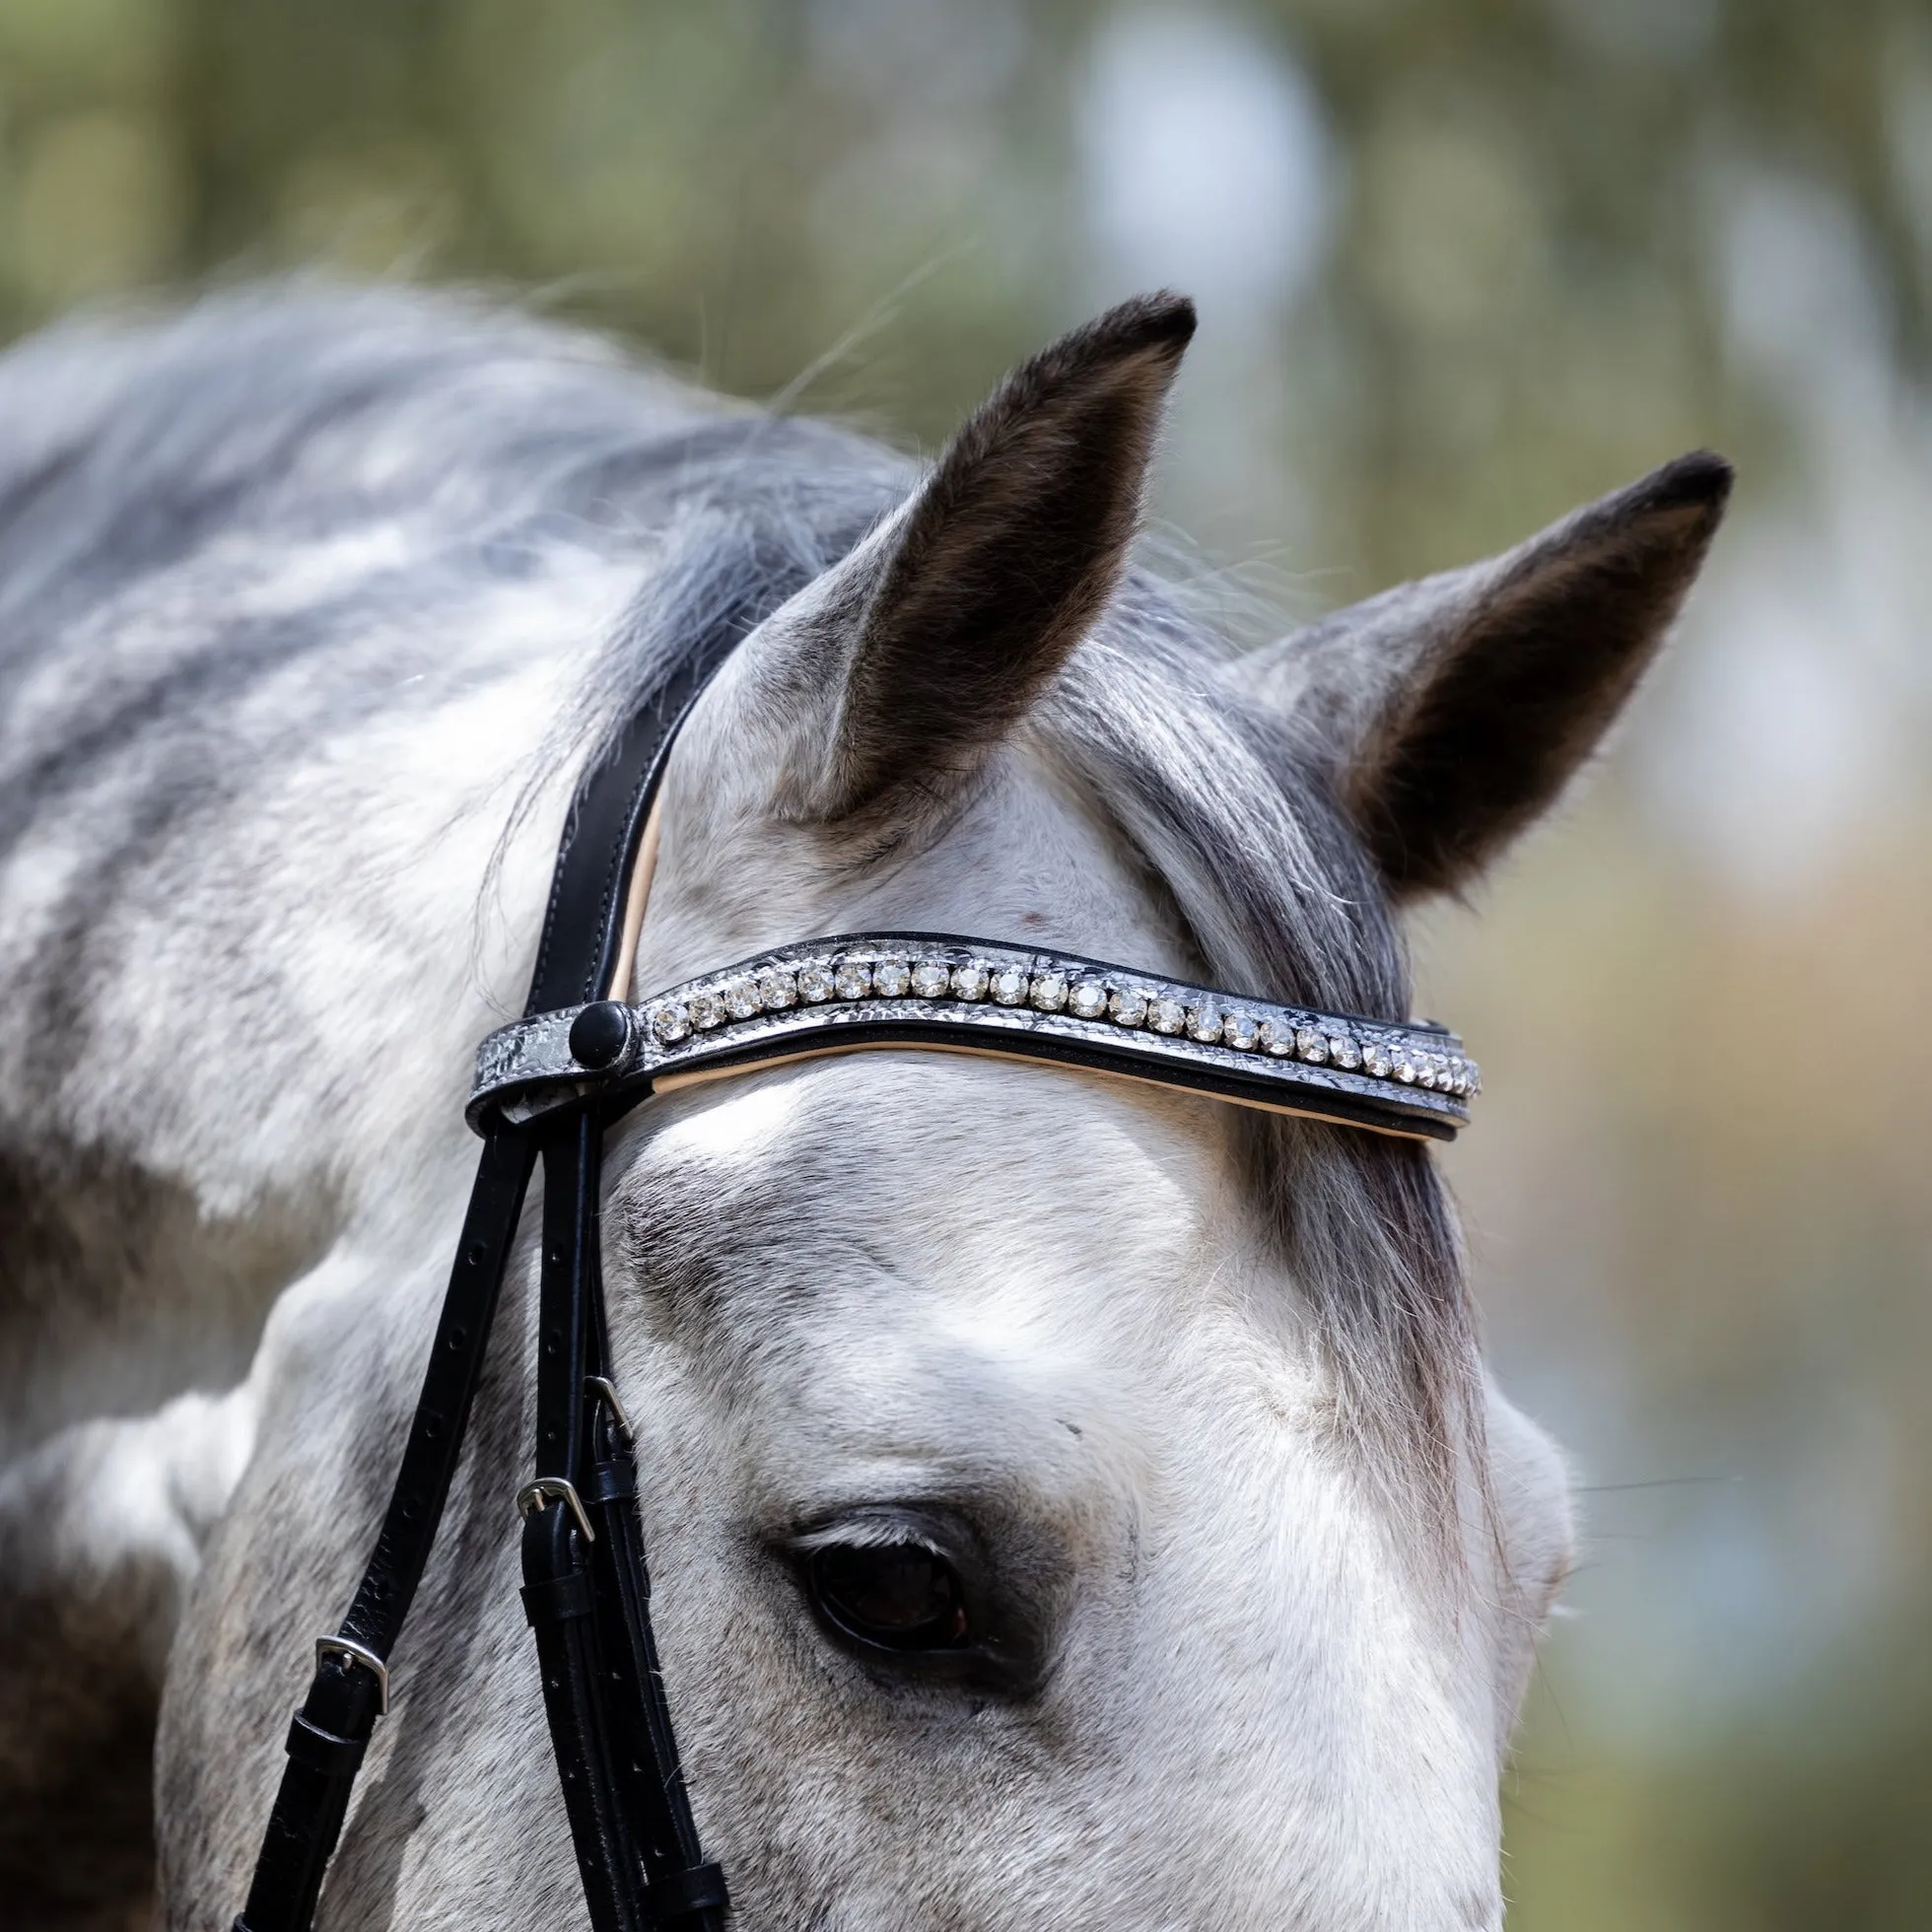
x,y
776,989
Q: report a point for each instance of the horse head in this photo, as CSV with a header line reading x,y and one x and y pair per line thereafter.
x,y
1074,1503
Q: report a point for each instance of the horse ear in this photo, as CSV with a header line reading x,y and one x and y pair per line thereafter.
x,y
977,591
1457,708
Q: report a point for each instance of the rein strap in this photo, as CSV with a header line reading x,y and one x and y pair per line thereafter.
x,y
586,1589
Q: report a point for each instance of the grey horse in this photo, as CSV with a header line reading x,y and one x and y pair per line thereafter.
x,y
313,604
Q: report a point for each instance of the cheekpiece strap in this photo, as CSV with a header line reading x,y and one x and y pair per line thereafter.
x,y
630,1818
943,991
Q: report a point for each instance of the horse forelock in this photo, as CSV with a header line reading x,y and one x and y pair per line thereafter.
x,y
1238,822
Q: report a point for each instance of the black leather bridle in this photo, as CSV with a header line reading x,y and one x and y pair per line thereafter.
x,y
547,1087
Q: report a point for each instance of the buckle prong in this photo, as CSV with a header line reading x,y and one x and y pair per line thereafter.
x,y
547,1489
605,1390
357,1653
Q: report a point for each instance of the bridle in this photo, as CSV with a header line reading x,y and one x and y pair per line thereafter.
x,y
547,1087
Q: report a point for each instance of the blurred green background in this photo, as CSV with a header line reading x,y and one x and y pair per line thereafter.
x,y
1461,264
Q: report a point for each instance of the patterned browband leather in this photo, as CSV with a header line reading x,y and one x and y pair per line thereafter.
x,y
939,992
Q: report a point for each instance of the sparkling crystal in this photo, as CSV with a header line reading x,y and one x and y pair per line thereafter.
x,y
932,979
1344,1051
671,1023
1425,1070
1474,1077
741,997
1049,991
1406,1069
1166,1015
1275,1036
853,980
706,1012
891,977
1129,1006
1375,1057
1238,1030
1008,986
777,989
1204,1022
1087,1000
969,981
1310,1044
815,984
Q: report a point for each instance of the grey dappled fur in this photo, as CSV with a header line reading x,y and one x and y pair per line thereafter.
x,y
160,666
137,456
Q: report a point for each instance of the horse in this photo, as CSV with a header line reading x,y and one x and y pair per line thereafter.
x,y
314,603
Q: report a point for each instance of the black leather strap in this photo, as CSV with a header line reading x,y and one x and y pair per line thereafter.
x,y
584,926
582,939
333,1726
681,1884
636,1842
567,1648
557,1553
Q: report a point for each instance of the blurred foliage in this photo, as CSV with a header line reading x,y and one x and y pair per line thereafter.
x,y
1526,238
1490,256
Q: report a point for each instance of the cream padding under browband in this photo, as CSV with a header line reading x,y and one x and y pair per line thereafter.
x,y
937,991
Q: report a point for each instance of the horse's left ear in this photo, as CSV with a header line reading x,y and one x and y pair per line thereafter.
x,y
1457,708
952,619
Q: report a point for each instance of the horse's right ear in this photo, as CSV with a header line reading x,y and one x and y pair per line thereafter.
x,y
929,644
1453,710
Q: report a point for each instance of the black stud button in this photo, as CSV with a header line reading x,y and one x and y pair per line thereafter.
x,y
600,1035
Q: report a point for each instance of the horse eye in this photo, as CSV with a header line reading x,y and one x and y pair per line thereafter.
x,y
897,1596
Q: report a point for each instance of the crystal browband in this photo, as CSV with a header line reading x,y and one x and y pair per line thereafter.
x,y
928,990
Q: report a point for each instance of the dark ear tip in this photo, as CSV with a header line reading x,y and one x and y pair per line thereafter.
x,y
1161,320
1701,479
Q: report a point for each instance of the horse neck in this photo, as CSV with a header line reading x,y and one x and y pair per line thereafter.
x,y
258,1036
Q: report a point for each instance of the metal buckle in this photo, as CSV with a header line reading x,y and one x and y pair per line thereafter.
x,y
605,1390
533,1497
357,1653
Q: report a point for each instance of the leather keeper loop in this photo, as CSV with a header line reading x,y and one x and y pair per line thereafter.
x,y
558,1600
322,1751
615,1481
684,1893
